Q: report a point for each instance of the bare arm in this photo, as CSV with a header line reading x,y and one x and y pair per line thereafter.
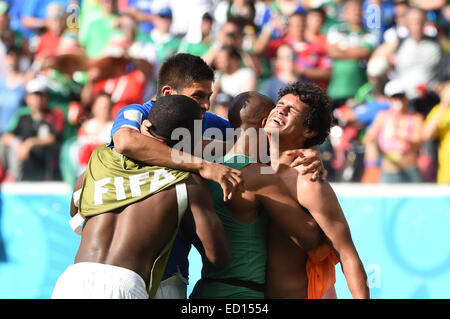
x,y
432,123
148,150
336,52
78,186
370,140
204,227
321,201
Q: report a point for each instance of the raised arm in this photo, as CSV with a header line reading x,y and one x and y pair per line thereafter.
x,y
203,227
129,141
322,203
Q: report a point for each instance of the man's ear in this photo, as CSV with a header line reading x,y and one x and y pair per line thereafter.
x,y
264,121
167,90
309,134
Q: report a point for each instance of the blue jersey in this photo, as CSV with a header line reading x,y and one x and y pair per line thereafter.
x,y
132,116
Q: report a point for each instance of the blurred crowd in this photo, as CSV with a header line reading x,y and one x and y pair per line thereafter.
x,y
67,67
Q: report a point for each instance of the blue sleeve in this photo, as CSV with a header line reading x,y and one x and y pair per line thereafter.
x,y
366,113
211,120
130,116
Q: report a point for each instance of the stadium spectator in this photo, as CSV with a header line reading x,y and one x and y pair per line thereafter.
x,y
12,88
421,68
34,14
221,105
116,74
166,44
98,32
142,11
95,131
398,134
28,148
55,24
8,36
199,46
230,34
284,72
312,64
232,77
437,127
336,44
350,46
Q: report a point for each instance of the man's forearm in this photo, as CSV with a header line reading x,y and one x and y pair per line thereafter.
x,y
152,152
355,275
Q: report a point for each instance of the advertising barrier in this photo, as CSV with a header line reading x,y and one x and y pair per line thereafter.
x,y
401,232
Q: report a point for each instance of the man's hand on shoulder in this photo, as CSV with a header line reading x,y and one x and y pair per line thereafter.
x,y
308,161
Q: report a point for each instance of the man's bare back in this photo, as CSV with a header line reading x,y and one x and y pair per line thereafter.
x,y
133,237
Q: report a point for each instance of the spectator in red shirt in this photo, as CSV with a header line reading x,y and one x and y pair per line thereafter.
x,y
55,24
312,63
116,74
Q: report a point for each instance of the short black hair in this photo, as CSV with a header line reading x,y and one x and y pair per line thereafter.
x,y
319,11
320,114
171,112
241,101
181,70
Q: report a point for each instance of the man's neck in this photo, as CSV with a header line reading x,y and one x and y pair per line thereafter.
x,y
278,150
247,144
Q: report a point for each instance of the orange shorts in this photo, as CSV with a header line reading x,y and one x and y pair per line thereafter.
x,y
320,269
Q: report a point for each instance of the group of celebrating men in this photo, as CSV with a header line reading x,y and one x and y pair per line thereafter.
x,y
264,229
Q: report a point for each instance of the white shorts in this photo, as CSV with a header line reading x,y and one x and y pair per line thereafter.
x,y
99,281
174,287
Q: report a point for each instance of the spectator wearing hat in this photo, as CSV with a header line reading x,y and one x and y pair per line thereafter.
x,y
115,73
397,133
28,148
165,43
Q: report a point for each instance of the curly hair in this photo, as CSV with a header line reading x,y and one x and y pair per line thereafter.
x,y
320,115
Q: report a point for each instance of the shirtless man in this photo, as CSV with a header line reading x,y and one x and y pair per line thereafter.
x,y
302,118
245,216
131,216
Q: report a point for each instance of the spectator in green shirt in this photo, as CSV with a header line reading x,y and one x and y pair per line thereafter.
x,y
100,30
201,47
350,46
166,44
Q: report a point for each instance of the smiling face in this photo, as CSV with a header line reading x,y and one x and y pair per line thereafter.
x,y
288,117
